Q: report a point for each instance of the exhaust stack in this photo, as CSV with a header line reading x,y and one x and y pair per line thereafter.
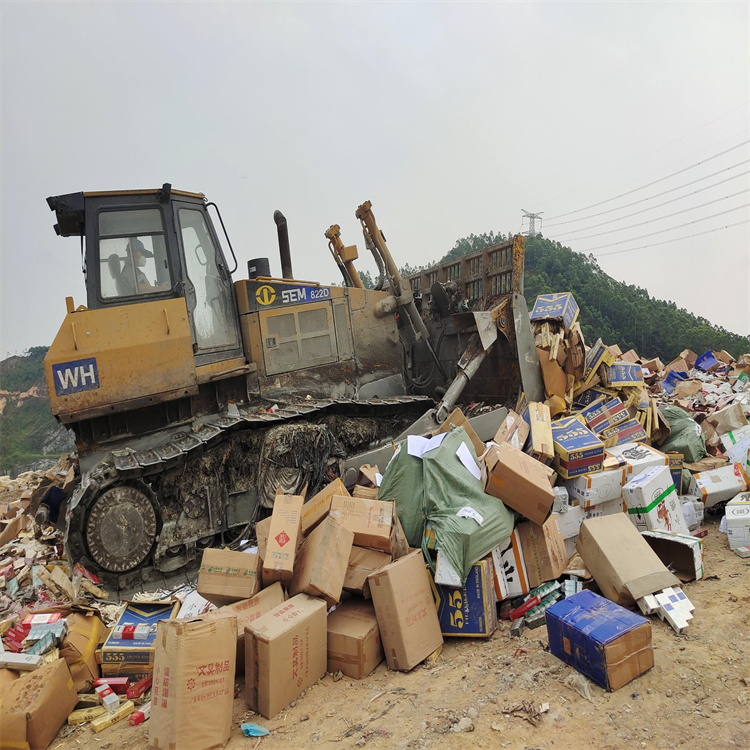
x,y
284,252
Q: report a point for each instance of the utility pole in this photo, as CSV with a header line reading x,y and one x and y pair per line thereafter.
x,y
532,221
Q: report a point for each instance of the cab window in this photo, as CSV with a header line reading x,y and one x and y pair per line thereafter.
x,y
132,254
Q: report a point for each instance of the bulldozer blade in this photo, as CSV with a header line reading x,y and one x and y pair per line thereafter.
x,y
528,360
482,321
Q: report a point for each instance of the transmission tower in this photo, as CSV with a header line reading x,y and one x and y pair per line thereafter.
x,y
532,221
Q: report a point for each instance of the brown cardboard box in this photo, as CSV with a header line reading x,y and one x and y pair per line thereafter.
x,y
193,688
407,618
43,699
362,562
543,550
248,611
285,653
227,577
354,646
321,563
521,482
513,430
541,446
261,535
85,633
371,493
370,520
278,561
555,378
620,560
316,509
7,678
399,543
457,419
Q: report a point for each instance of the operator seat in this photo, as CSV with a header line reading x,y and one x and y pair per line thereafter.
x,y
114,264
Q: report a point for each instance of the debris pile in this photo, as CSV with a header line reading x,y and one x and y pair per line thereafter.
x,y
581,511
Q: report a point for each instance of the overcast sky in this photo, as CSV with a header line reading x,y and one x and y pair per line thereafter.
x,y
450,117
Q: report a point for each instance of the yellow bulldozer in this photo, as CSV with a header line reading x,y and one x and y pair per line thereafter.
x,y
195,397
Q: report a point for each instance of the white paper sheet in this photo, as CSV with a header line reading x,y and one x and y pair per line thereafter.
x,y
465,457
467,512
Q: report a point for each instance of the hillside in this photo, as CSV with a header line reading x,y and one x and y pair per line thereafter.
x,y
621,314
30,437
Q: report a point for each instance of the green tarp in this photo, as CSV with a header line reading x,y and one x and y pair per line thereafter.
x,y
468,524
686,437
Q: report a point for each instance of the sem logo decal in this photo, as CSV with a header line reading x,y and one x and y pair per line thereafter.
x,y
76,376
265,295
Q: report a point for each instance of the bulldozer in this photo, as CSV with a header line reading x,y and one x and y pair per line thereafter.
x,y
196,396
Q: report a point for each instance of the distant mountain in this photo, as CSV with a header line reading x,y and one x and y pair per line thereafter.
x,y
30,437
620,313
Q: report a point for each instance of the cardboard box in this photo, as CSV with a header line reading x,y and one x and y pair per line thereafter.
x,y
322,560
593,489
560,307
248,611
676,461
370,520
285,653
603,641
577,448
569,522
543,550
638,457
555,378
457,419
681,553
653,502
354,646
135,659
620,561
540,444
622,375
193,689
590,395
406,613
469,611
597,356
85,633
363,562
521,482
283,533
605,413
720,484
513,430
261,535
36,705
630,431
735,436
317,507
227,577
737,514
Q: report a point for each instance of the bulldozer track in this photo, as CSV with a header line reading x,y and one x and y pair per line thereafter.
x,y
138,471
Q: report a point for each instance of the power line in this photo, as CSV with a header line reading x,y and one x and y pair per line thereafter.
x,y
650,221
670,229
655,151
655,182
676,239
658,195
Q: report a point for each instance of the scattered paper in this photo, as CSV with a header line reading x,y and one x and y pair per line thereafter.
x,y
378,479
467,512
417,446
465,457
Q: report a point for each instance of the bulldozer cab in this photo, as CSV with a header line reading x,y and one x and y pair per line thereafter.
x,y
152,245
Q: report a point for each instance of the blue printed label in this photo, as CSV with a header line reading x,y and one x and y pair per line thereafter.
x,y
76,376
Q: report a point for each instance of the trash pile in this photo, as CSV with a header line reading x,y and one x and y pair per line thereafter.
x,y
583,513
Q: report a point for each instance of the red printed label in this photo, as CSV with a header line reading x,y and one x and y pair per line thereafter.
x,y
282,539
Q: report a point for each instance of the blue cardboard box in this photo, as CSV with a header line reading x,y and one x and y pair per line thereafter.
x,y
588,397
604,641
626,432
598,355
604,414
132,657
707,361
560,306
622,374
470,611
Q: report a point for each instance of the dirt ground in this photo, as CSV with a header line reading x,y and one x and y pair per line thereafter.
x,y
695,696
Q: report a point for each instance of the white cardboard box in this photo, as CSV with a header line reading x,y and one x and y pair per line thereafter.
x,y
593,489
720,484
682,554
734,436
737,514
653,503
638,457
